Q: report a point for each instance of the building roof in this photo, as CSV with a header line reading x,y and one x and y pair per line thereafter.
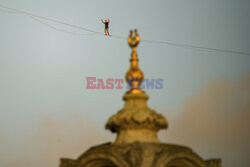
x,y
136,125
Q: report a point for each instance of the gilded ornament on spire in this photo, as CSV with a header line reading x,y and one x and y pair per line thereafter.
x,y
134,76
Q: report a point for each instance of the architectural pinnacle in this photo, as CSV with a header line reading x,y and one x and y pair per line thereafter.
x,y
136,122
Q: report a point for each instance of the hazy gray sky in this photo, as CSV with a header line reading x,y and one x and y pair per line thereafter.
x,y
46,111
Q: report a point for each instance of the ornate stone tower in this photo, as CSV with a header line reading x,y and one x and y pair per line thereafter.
x,y
136,125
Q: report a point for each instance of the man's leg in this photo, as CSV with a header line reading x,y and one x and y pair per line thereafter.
x,y
105,30
108,31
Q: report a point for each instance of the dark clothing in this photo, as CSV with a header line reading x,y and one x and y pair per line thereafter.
x,y
106,24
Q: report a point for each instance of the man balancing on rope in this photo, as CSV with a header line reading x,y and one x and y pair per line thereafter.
x,y
106,30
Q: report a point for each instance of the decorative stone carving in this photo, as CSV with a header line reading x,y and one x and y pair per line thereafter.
x,y
139,154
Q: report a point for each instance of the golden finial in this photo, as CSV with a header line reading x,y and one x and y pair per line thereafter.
x,y
134,75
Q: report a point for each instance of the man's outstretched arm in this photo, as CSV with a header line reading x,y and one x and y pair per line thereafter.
x,y
108,20
102,21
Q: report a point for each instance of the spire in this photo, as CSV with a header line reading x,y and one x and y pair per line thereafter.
x,y
134,75
136,122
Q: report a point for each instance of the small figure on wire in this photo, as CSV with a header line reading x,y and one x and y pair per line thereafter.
x,y
106,29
